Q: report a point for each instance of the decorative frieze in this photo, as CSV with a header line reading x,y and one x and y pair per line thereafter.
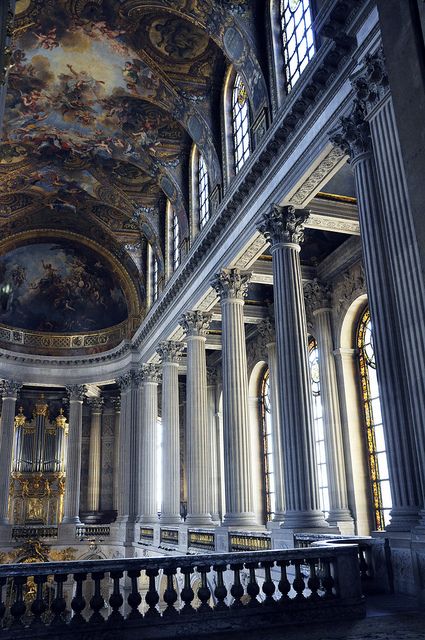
x,y
315,179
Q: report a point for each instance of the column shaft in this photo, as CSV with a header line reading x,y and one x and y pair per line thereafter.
x,y
93,484
10,391
197,437
73,459
170,511
117,407
123,492
147,454
232,287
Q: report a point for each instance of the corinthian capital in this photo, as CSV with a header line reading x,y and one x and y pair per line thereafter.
x,y
317,295
266,329
10,388
196,323
371,81
352,135
96,404
169,351
124,382
77,392
231,283
283,224
151,373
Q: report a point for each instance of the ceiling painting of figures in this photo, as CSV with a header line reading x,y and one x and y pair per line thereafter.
x,y
59,287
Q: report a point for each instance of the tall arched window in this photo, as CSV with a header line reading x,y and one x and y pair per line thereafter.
x,y
175,241
319,436
266,428
240,123
297,38
203,192
377,457
154,281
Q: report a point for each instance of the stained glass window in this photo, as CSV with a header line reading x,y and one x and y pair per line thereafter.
x,y
175,241
319,436
266,420
154,277
298,38
240,123
377,457
203,192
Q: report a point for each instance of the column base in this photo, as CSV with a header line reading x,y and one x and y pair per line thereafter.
x,y
199,520
405,519
246,519
342,519
148,518
304,520
71,520
170,518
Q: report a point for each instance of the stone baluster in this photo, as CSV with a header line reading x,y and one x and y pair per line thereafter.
x,y
10,389
268,334
213,430
169,353
353,136
372,87
318,301
283,228
232,287
123,444
195,325
148,509
73,457
93,484
117,408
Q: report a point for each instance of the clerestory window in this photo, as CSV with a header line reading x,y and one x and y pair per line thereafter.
x,y
240,123
297,38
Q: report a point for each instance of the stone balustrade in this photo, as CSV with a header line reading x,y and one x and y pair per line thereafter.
x,y
201,593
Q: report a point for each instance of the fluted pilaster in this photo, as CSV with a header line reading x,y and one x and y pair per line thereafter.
x,y
213,430
151,375
232,287
284,228
353,135
123,444
117,408
169,353
195,325
93,484
73,458
318,298
10,389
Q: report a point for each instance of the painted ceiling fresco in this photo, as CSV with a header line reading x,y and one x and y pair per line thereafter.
x,y
105,99
59,287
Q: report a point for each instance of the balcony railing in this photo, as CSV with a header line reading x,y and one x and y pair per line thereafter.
x,y
170,596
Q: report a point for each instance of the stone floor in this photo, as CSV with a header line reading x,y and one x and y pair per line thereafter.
x,y
388,618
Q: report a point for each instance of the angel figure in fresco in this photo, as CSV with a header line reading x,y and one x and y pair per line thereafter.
x,y
47,40
140,79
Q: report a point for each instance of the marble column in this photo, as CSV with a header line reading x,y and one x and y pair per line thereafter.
x,y
124,442
268,333
73,457
318,300
117,408
213,430
10,389
232,287
195,325
353,136
93,484
169,353
372,88
283,228
133,454
148,509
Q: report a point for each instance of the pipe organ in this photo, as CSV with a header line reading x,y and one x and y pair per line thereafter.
x,y
38,467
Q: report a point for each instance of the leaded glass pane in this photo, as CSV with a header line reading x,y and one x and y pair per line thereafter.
x,y
154,277
203,192
240,122
267,426
319,436
175,240
375,438
297,38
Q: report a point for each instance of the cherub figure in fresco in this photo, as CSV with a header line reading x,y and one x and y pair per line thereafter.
x,y
140,78
18,275
47,40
